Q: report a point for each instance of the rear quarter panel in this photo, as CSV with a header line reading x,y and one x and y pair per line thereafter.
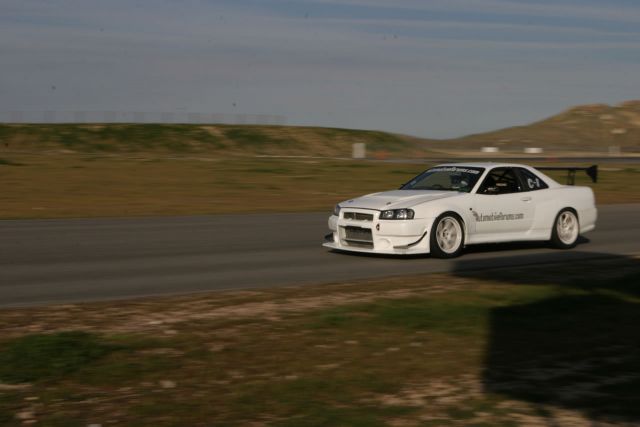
x,y
551,201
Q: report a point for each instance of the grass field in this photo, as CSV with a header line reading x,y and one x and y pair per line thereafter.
x,y
495,348
91,185
83,170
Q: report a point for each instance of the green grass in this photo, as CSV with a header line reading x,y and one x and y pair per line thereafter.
x,y
429,350
38,357
448,317
576,338
315,402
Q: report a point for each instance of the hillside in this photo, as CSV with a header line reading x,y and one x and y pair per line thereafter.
x,y
588,128
585,129
203,139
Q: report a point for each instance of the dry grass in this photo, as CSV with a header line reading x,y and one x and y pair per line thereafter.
x,y
581,129
76,185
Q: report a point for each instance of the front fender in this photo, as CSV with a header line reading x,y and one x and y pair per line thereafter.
x,y
431,213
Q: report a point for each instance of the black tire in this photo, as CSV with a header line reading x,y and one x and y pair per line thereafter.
x,y
566,229
447,243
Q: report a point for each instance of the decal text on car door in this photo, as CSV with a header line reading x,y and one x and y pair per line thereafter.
x,y
497,216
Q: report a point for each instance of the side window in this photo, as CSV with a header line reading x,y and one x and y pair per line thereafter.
x,y
500,181
531,181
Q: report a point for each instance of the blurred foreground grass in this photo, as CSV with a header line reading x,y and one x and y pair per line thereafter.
x,y
87,185
517,346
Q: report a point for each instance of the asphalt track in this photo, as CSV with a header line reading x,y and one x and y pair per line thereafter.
x,y
61,261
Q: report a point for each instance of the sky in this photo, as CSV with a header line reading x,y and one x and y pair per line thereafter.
x,y
431,68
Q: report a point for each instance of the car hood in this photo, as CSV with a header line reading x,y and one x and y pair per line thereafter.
x,y
397,199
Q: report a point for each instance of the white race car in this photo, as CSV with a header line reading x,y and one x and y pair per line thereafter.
x,y
453,205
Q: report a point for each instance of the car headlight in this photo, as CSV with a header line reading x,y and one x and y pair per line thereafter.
x,y
397,214
336,210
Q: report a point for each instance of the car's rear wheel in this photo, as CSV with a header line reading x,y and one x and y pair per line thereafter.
x,y
447,236
566,230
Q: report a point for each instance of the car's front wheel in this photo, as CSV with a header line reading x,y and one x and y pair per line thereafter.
x,y
447,236
566,230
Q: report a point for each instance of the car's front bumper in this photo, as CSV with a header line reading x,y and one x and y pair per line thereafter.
x,y
393,237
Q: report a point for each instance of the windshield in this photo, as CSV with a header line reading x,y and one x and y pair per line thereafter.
x,y
445,178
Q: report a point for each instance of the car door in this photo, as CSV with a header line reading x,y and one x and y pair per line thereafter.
x,y
541,199
502,210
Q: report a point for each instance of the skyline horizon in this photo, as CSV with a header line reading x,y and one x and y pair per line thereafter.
x,y
236,119
436,69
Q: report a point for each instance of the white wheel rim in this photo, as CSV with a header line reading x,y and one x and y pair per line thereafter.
x,y
449,235
567,227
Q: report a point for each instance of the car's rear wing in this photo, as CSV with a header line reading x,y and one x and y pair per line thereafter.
x,y
591,171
